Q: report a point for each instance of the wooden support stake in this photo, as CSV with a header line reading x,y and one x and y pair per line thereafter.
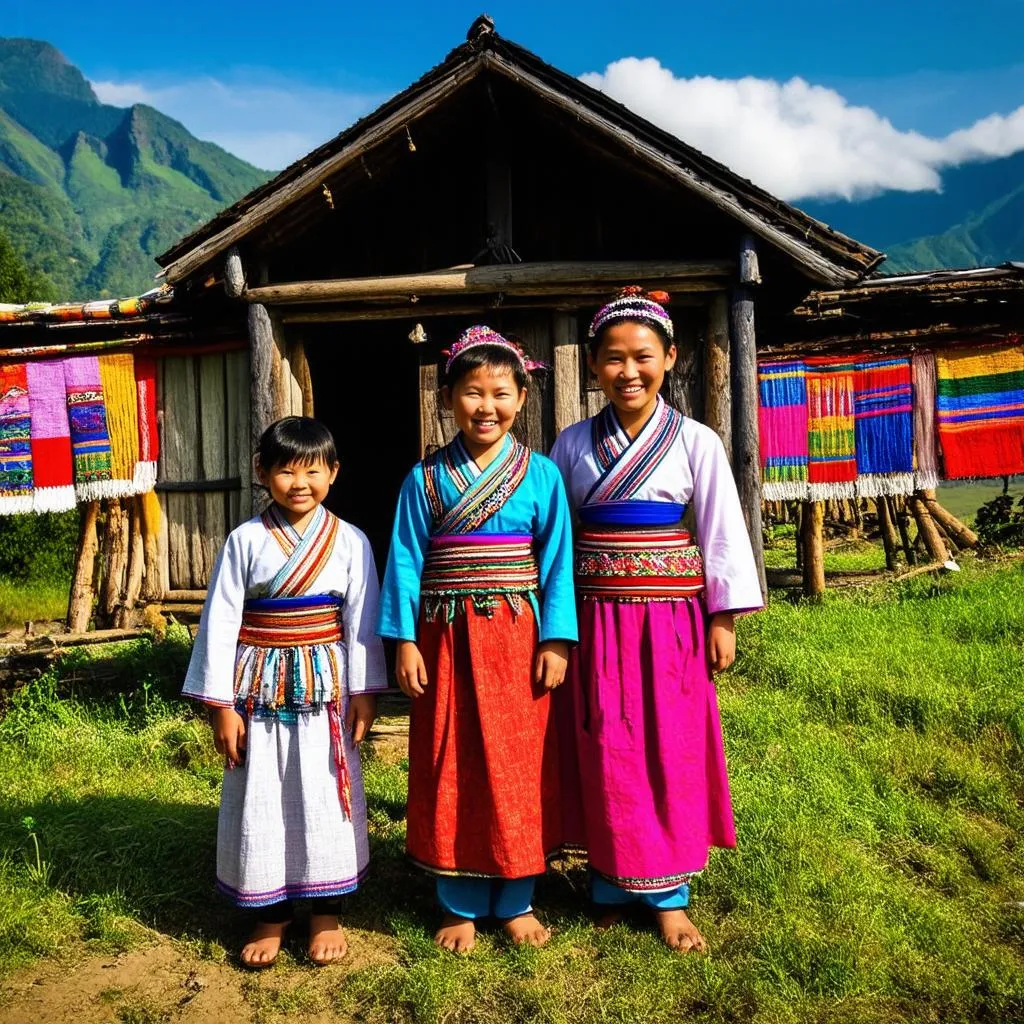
x,y
83,593
888,531
964,536
937,550
799,517
136,564
152,586
115,560
902,516
234,274
745,439
568,382
718,391
814,548
263,359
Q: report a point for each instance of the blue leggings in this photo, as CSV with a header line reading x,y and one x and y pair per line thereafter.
x,y
485,897
607,894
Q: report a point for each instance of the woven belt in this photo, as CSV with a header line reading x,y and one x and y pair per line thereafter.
x,y
483,571
638,565
291,622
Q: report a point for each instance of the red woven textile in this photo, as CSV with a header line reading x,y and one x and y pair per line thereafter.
x,y
483,761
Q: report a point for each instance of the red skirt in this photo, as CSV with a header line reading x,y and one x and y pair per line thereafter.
x,y
483,759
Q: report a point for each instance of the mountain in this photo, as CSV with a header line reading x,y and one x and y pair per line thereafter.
x,y
976,220
89,192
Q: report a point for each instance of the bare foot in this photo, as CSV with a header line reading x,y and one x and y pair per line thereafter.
x,y
456,934
526,928
264,944
327,942
679,932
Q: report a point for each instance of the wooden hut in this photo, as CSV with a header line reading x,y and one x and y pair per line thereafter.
x,y
496,189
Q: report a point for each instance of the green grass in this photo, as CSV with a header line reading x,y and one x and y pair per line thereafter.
x,y
875,749
34,602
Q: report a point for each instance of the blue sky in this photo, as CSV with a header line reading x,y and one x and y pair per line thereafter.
x,y
271,80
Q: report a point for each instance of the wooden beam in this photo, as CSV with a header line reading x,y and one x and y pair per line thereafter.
x,y
958,531
234,274
813,521
934,544
312,179
745,439
510,279
750,271
83,593
717,384
263,359
568,407
887,528
813,262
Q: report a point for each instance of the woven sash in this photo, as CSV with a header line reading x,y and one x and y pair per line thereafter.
x,y
291,622
484,569
479,498
627,465
306,553
638,565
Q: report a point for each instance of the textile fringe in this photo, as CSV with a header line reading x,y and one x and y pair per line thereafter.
x,y
834,490
53,499
144,477
790,490
444,607
926,481
10,504
871,485
94,490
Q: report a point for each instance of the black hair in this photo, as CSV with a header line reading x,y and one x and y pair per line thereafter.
x,y
296,439
496,358
595,342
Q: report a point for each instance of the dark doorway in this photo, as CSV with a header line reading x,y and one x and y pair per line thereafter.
x,y
366,391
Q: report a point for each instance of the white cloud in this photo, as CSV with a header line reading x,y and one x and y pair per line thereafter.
x,y
796,139
254,114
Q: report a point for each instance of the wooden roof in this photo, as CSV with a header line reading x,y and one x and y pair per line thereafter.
x,y
822,254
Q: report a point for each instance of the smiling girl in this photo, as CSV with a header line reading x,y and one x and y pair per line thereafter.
x,y
287,660
478,593
656,620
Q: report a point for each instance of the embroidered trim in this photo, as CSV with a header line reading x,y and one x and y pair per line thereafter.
x,y
638,566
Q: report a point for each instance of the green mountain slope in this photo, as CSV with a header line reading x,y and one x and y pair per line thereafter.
x,y
89,193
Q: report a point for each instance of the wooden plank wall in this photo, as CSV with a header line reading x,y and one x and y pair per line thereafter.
x,y
203,404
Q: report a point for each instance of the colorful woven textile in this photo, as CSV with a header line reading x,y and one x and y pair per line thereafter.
x,y
980,400
832,463
15,441
51,438
926,455
782,419
483,569
883,427
87,418
638,565
117,377
149,438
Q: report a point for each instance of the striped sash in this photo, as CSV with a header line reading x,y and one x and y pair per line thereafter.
x,y
479,497
627,464
306,554
638,565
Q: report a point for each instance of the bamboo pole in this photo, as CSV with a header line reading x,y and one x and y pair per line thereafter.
x,y
814,548
510,279
82,591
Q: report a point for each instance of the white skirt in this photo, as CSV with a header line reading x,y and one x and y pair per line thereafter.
x,y
282,832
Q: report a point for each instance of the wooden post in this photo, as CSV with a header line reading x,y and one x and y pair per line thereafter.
x,y
152,588
564,336
926,528
263,359
303,379
746,462
115,559
888,530
213,462
718,392
964,536
799,518
136,564
814,548
902,517
82,592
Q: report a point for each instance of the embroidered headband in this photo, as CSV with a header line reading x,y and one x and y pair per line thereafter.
x,y
480,334
633,303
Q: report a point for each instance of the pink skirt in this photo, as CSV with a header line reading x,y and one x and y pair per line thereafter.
x,y
646,789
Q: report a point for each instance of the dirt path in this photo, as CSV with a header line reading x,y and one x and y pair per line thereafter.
x,y
166,983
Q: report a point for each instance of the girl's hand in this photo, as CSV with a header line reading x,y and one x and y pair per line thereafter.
x,y
228,735
552,659
721,641
410,671
362,710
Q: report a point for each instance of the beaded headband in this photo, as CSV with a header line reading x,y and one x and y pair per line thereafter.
x,y
633,303
480,334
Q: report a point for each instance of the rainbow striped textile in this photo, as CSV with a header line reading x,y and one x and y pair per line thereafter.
x,y
782,419
832,464
15,441
638,566
980,406
483,568
883,427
